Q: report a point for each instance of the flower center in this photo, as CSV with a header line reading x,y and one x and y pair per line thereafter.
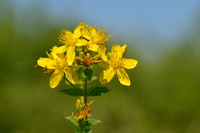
x,y
115,64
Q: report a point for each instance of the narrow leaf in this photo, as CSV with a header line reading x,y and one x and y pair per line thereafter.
x,y
72,119
97,91
92,122
73,91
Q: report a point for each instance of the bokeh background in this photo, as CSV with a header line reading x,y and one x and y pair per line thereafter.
x,y
164,36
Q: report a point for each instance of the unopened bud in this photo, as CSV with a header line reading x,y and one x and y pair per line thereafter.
x,y
79,105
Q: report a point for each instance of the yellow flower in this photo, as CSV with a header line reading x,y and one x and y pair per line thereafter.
x,y
71,40
58,63
117,64
96,40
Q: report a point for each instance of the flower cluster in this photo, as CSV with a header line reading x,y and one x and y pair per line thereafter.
x,y
82,48
75,58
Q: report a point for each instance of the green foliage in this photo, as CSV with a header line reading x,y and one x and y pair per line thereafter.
x,y
97,91
84,127
93,91
91,122
72,119
73,91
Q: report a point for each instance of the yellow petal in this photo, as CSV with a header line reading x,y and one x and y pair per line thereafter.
x,y
101,80
107,75
123,77
129,63
92,30
85,33
124,48
56,77
66,37
101,38
57,52
93,46
77,31
60,49
81,42
104,64
71,75
116,52
70,55
69,35
46,62
102,54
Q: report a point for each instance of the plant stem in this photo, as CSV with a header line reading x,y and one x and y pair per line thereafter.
x,y
84,98
82,128
85,91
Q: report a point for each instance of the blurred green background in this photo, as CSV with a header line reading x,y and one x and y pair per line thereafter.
x,y
164,96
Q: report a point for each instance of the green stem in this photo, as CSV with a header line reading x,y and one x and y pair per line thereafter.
x,y
85,91
82,128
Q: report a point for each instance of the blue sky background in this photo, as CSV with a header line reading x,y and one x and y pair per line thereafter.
x,y
152,24
131,17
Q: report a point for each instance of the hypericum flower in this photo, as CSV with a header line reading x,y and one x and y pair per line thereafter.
x,y
57,62
83,112
117,64
96,40
71,40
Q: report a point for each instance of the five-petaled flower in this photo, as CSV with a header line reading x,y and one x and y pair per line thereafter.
x,y
117,64
96,40
71,40
58,63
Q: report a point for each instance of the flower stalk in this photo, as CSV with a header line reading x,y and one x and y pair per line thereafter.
x,y
85,91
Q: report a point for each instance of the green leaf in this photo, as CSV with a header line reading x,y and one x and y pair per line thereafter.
x,y
91,122
97,91
73,91
73,120
88,73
